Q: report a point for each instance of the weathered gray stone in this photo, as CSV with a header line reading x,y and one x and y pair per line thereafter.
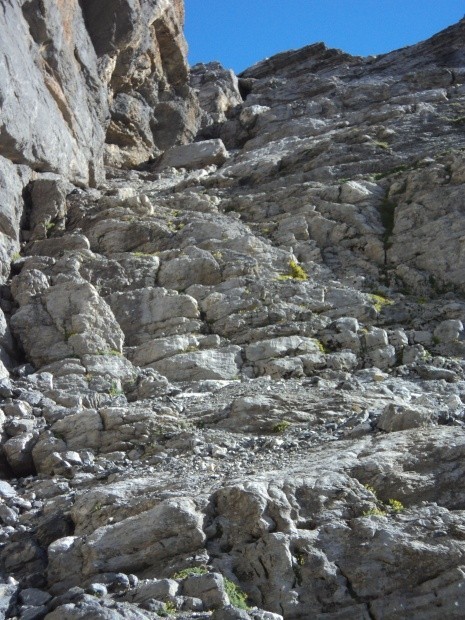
x,y
210,588
6,490
323,252
121,547
160,589
230,613
147,313
8,595
448,331
292,345
48,211
18,452
67,319
217,90
399,418
196,155
34,597
194,266
13,179
222,363
51,120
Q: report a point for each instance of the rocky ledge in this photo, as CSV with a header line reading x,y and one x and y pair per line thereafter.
x,y
232,376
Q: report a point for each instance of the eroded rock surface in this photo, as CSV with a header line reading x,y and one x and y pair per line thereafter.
x,y
232,381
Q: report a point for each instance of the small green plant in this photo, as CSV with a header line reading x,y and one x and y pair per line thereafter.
x,y
382,175
141,254
374,512
301,558
115,390
98,506
191,348
15,256
459,120
296,272
189,572
395,505
169,609
281,427
379,301
69,334
49,226
381,145
237,597
322,347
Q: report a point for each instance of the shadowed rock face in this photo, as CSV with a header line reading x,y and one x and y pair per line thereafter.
x,y
142,54
76,75
244,362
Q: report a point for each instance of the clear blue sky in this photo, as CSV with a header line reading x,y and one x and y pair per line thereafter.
x,y
239,33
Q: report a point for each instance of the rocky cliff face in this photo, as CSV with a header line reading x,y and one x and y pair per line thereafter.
x,y
232,373
83,83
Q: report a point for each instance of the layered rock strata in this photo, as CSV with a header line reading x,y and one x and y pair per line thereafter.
x,y
232,380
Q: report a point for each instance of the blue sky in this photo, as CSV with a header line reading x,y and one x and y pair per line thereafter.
x,y
239,33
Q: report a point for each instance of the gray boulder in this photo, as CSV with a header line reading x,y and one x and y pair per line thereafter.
x,y
196,155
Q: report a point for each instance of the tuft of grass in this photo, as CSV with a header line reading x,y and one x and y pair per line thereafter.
x,y
322,347
301,558
382,175
141,254
459,120
113,352
237,597
379,301
281,427
191,349
169,609
97,507
381,145
374,512
114,390
189,572
69,334
395,505
296,272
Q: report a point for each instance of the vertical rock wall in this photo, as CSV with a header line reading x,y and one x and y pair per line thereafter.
x,y
142,58
74,74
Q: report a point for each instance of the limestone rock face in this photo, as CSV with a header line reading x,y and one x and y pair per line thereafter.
x,y
53,102
232,374
142,58
75,76
67,319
